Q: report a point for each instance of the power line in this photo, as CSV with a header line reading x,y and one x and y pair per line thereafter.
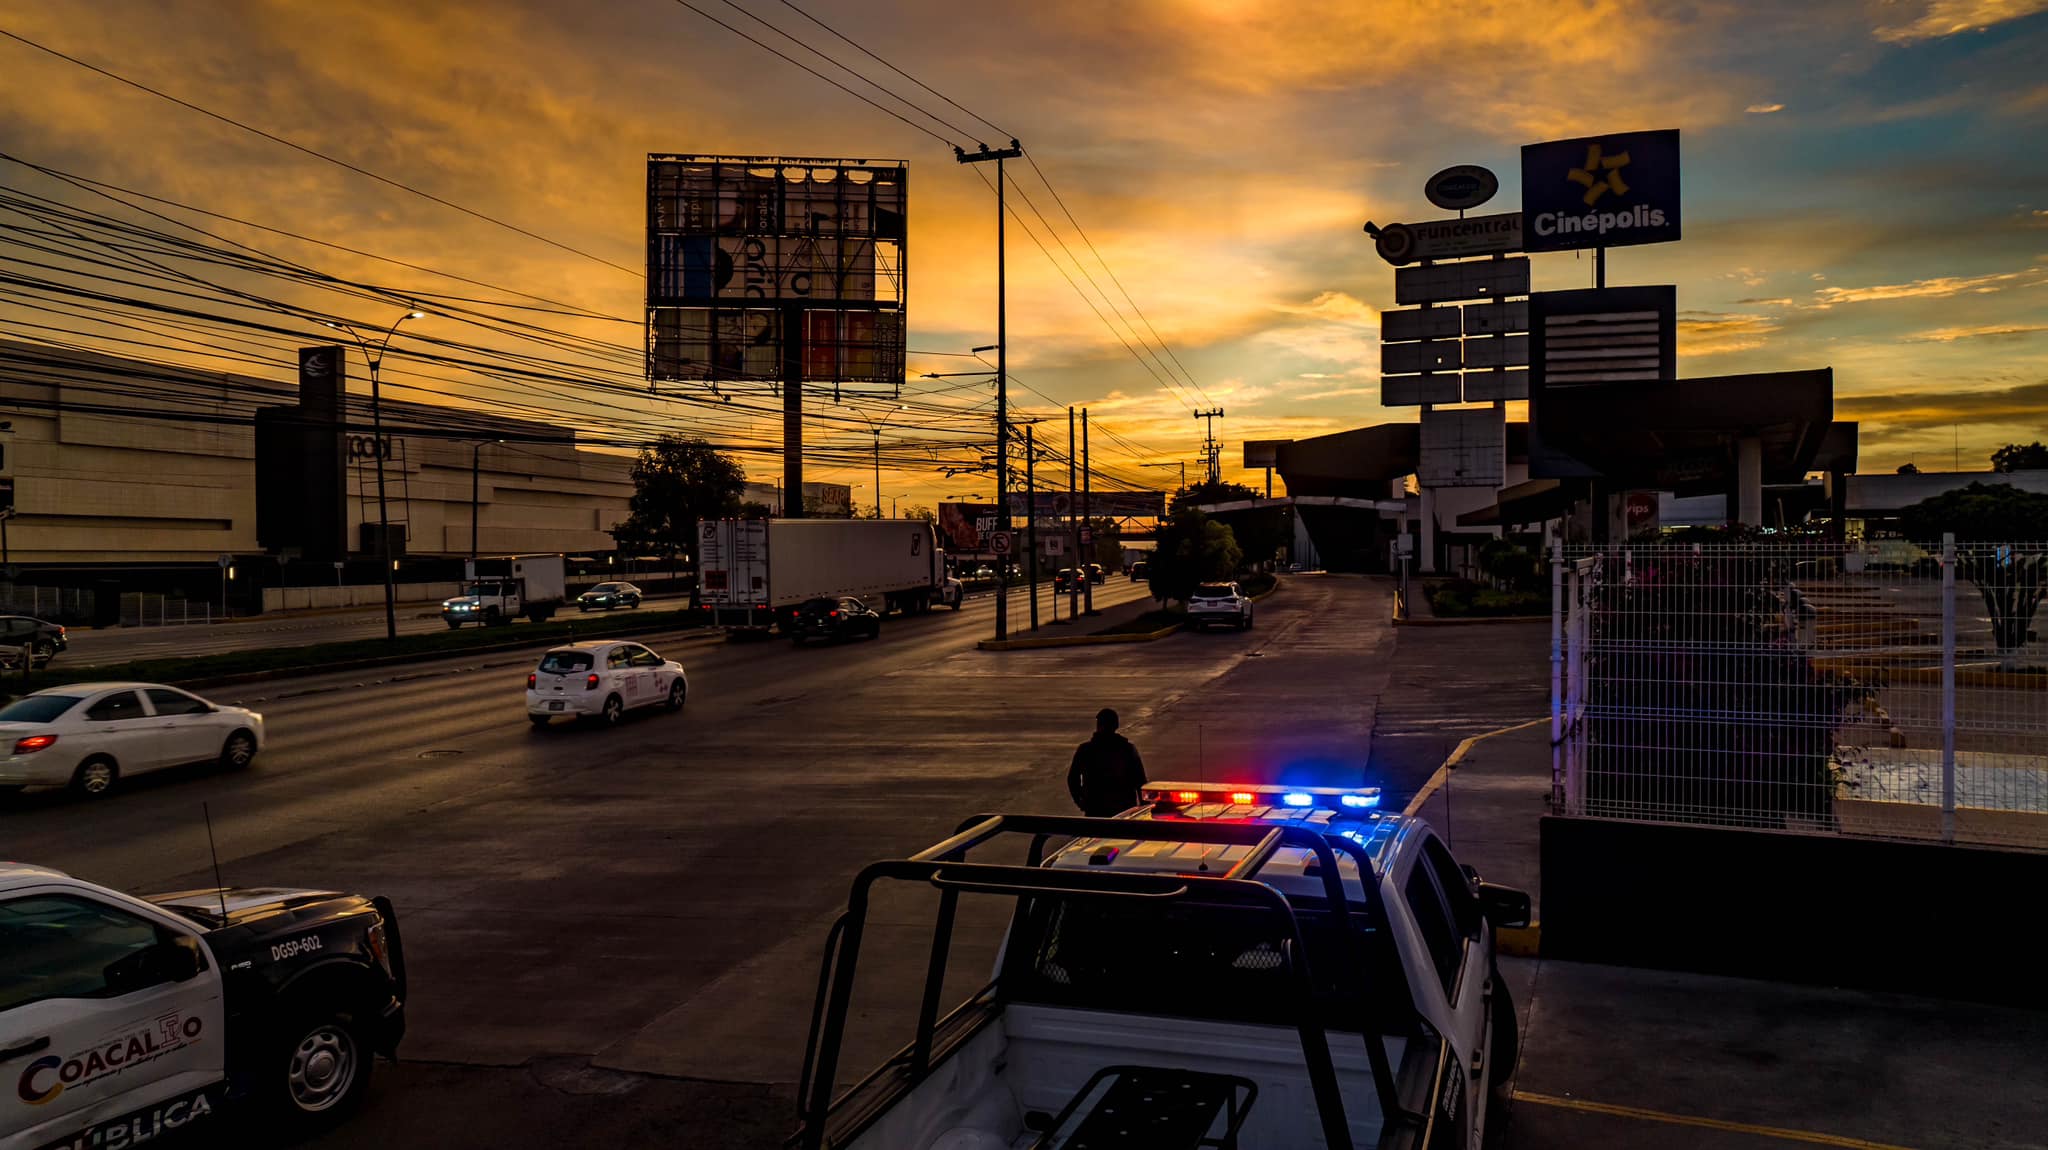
x,y
1000,133
319,155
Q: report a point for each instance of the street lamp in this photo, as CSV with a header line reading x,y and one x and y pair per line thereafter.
x,y
376,359
1183,471
877,429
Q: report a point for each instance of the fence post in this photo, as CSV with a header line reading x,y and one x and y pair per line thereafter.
x,y
1948,687
1557,675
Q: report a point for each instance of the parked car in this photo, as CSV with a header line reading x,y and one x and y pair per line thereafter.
x,y
606,596
602,680
1096,573
842,618
90,736
43,639
1219,603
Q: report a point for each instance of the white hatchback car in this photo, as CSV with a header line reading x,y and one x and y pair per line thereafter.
x,y
89,736
602,680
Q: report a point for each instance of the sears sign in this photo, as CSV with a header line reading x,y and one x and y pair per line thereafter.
x,y
1600,191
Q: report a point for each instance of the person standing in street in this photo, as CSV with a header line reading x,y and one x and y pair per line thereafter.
x,y
1107,772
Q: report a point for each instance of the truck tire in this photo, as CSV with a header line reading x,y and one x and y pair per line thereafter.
x,y
318,1069
1507,1039
539,614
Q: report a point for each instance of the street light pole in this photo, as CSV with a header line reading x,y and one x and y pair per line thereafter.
x,y
876,428
376,360
1002,369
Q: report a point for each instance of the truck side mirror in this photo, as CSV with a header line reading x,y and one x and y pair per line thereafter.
x,y
1503,906
167,960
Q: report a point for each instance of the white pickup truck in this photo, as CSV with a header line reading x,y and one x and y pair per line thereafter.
x,y
501,589
1223,966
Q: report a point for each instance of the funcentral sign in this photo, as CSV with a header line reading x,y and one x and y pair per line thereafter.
x,y
1601,191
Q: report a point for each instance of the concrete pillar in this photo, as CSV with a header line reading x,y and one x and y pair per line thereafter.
x,y
1427,544
1749,481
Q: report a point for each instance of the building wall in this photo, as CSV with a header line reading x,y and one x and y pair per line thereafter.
x,y
164,487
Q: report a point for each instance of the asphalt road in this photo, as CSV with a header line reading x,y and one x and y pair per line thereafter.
x,y
613,935
90,648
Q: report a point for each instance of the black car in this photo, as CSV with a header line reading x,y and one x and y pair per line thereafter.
x,y
841,618
1096,573
1068,579
606,596
1141,570
42,639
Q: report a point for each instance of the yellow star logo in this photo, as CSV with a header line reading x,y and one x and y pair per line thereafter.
x,y
1602,174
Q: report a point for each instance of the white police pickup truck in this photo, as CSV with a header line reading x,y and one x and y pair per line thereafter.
x,y
125,1019
1234,966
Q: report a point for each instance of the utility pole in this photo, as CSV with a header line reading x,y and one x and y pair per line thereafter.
x,y
1087,523
1210,448
1073,525
793,411
1002,370
1030,519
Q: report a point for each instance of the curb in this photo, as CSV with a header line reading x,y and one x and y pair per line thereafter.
x,y
1461,621
373,662
1516,941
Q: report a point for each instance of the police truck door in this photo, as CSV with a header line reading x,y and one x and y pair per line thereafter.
x,y
105,1011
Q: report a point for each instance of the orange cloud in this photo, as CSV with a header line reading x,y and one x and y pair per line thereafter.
x,y
1941,18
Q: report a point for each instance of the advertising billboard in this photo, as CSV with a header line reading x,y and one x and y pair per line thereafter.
x,y
747,256
961,525
1101,505
1600,191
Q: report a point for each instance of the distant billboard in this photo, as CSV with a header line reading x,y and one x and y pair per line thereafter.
x,y
1600,191
962,525
1100,504
1263,452
747,256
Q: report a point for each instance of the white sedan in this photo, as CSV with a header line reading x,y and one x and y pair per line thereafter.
x,y
602,680
89,736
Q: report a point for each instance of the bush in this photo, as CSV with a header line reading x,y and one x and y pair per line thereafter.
x,y
1461,598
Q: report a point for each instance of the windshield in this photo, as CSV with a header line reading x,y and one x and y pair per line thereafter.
x,y
1213,591
1197,960
37,708
565,662
604,588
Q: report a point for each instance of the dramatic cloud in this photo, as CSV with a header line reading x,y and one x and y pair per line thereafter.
x,y
1990,330
1939,287
1942,18
1711,333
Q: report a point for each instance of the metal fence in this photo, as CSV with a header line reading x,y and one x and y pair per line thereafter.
x,y
45,602
1806,686
142,609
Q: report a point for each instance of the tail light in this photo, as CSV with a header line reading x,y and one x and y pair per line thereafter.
x,y
31,744
833,614
532,680
590,684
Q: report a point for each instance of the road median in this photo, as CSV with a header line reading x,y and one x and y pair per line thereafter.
x,y
1166,623
229,668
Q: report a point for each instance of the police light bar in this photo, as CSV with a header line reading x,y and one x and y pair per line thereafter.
x,y
1171,795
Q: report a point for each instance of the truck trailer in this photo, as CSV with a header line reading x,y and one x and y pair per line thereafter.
x,y
754,573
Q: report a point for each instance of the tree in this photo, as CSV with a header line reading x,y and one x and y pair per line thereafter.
x,y
2014,457
921,513
1260,532
1909,469
1992,525
752,509
1193,548
676,482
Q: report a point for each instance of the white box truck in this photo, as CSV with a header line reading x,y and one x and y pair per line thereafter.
x,y
752,574
499,589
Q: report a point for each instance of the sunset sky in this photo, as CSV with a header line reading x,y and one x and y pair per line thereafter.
x,y
1866,184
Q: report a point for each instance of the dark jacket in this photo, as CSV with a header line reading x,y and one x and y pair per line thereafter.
x,y
1106,775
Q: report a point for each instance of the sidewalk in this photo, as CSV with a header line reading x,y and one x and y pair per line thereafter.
x,y
1620,1057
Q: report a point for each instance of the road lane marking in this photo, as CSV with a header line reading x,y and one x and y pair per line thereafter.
x,y
1451,764
1778,1132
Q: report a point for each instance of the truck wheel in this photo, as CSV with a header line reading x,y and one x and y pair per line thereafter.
x,y
319,1069
454,624
95,777
491,617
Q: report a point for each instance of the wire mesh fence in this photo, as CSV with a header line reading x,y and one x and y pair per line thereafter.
x,y
1805,686
144,609
56,603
